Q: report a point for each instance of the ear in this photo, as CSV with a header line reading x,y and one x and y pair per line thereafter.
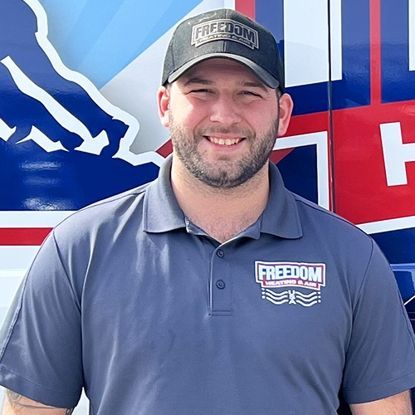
x,y
285,110
163,102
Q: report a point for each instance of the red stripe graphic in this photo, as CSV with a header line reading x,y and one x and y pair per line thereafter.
x,y
303,124
246,7
23,236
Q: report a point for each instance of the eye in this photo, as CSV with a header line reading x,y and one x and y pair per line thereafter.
x,y
253,94
201,91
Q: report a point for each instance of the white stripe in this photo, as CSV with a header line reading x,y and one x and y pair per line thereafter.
x,y
8,288
12,273
409,300
32,219
43,141
306,41
336,39
388,225
229,4
305,304
411,34
306,34
277,302
15,260
276,295
14,263
320,140
5,131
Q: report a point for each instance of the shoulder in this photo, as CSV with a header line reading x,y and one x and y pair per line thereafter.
x,y
312,215
358,262
335,234
91,238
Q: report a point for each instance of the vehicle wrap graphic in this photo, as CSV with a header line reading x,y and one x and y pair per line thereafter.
x,y
78,120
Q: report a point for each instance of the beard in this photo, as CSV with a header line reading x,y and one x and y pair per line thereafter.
x,y
224,173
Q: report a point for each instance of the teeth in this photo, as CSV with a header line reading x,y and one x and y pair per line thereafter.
x,y
224,141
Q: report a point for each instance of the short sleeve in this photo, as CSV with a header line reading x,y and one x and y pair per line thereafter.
x,y
40,347
380,359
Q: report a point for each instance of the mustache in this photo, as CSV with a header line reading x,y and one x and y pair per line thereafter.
x,y
237,131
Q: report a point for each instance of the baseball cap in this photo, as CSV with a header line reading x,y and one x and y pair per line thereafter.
x,y
224,33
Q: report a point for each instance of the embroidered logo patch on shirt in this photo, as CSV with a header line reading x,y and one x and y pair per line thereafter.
x,y
275,277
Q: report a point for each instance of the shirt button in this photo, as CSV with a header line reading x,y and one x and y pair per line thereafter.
x,y
220,253
220,284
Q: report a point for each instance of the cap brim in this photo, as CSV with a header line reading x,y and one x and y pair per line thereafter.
x,y
264,75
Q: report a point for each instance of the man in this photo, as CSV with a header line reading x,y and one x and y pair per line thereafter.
x,y
213,290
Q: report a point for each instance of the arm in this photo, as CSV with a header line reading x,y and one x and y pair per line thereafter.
x,y
15,404
399,404
41,345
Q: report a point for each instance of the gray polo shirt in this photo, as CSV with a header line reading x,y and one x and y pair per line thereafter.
x,y
131,301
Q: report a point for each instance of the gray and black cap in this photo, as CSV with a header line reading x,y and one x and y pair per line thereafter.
x,y
228,34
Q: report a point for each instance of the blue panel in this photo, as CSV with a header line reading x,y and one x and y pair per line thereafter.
x,y
270,14
299,170
354,89
31,179
405,277
310,98
398,246
398,83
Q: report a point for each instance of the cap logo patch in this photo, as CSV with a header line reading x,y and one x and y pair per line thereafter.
x,y
224,29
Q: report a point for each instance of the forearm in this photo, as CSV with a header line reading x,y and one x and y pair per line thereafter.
x,y
15,404
399,404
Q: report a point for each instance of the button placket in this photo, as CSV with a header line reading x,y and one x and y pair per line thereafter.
x,y
220,285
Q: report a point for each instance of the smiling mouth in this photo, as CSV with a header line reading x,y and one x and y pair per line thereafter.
x,y
222,141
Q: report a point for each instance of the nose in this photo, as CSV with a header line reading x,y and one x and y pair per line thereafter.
x,y
225,111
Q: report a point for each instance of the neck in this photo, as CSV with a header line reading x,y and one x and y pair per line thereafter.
x,y
221,213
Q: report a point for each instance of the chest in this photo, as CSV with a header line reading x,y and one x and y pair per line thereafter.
x,y
272,300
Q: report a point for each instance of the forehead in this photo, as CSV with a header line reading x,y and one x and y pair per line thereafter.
x,y
216,68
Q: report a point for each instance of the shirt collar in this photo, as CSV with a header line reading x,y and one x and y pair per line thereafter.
x,y
280,217
162,213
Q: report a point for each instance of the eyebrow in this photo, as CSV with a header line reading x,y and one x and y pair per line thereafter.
x,y
202,81
196,80
253,84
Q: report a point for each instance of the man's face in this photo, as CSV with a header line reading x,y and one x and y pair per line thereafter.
x,y
223,122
